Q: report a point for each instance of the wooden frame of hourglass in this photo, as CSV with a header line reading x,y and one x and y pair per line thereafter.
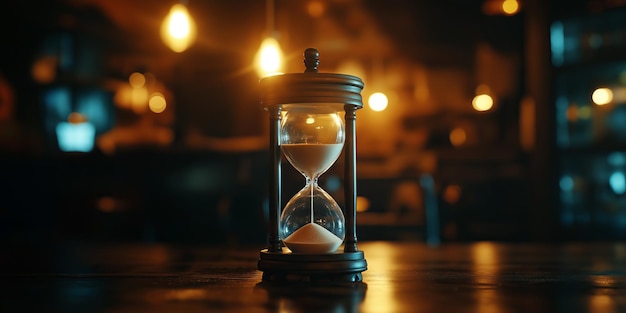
x,y
343,92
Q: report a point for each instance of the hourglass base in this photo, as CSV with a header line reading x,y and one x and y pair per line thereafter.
x,y
340,267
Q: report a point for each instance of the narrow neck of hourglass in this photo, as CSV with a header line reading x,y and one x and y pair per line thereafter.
x,y
312,181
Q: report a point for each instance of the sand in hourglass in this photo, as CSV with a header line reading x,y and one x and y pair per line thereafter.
x,y
312,160
313,238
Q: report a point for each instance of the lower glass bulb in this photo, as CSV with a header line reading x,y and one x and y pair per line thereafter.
x,y
312,222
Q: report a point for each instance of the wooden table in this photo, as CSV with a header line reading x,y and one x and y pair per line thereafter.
x,y
402,277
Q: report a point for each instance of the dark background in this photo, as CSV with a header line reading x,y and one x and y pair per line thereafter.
x,y
198,174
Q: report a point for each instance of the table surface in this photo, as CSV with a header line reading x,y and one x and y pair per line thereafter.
x,y
402,277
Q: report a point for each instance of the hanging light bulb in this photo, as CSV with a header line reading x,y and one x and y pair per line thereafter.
x,y
269,57
178,30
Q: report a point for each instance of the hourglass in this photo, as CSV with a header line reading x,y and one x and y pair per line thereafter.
x,y
305,236
312,138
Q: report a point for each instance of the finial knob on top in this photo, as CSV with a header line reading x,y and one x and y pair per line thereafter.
x,y
311,60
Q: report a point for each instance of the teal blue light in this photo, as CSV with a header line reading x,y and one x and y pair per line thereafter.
x,y
557,43
566,183
75,137
618,182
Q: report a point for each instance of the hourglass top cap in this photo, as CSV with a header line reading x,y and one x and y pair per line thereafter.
x,y
311,87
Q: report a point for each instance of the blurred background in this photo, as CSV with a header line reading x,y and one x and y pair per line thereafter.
x,y
483,119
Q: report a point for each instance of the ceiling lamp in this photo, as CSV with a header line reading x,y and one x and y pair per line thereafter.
x,y
269,57
178,30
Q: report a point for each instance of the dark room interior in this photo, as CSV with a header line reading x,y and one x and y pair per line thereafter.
x,y
485,125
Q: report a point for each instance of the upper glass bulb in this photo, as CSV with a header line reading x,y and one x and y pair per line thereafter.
x,y
312,138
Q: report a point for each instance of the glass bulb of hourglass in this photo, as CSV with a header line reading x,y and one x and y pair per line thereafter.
x,y
312,139
320,232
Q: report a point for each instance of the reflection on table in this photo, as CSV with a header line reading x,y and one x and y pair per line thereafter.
x,y
402,277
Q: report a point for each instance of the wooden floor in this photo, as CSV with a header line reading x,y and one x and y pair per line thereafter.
x,y
402,277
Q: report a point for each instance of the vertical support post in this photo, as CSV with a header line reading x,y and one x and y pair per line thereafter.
x,y
275,179
350,179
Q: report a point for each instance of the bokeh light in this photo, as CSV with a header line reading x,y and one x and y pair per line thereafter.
x,y
482,102
452,194
75,135
617,181
566,183
44,69
510,7
139,98
178,30
76,118
315,8
137,80
458,136
378,101
362,204
157,103
602,96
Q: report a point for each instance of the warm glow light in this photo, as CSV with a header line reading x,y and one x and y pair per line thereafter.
x,y
510,7
269,57
482,102
458,136
386,258
486,272
186,294
486,264
571,113
315,8
351,67
76,118
602,96
107,204
602,303
178,30
123,96
44,70
362,204
452,194
310,120
137,80
138,100
157,103
378,101
179,25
